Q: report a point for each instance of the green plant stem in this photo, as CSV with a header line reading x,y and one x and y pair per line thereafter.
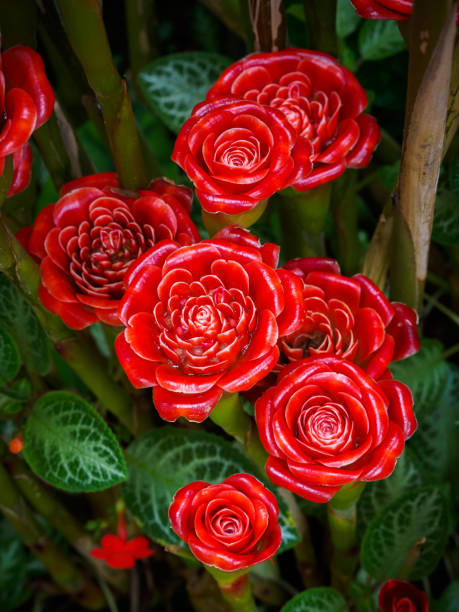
x,y
141,24
214,222
344,210
377,257
235,588
303,215
268,24
18,266
432,33
230,416
88,38
57,515
321,25
62,570
342,522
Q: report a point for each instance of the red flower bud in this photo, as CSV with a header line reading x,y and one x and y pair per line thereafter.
x,y
16,445
326,424
321,100
87,241
231,526
205,319
26,102
401,596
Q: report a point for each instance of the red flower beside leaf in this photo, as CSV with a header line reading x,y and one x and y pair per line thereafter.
x,y
231,526
120,553
87,241
322,101
205,319
350,318
326,424
26,103
387,9
401,596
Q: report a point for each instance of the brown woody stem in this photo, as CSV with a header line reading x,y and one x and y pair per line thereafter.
x,y
268,24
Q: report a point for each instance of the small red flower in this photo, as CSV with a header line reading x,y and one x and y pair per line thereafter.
x,y
120,553
231,526
16,445
26,102
238,153
205,319
350,318
401,596
326,424
321,100
87,241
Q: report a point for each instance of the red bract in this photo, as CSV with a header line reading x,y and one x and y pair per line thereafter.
x,y
401,596
231,525
120,553
350,318
26,102
383,9
238,153
205,319
326,424
321,100
87,241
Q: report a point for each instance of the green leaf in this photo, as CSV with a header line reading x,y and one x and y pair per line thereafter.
x,y
435,442
13,398
164,460
425,373
449,601
319,599
388,175
446,218
70,446
174,84
379,39
454,174
20,320
396,530
10,359
347,19
377,495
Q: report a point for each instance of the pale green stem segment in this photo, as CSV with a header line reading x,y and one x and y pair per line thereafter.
x,y
303,215
344,210
235,588
214,222
85,29
21,270
66,575
342,522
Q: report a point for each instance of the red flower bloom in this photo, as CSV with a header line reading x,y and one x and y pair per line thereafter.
x,y
321,100
26,102
238,153
383,9
87,241
350,318
401,596
120,553
231,526
205,319
326,424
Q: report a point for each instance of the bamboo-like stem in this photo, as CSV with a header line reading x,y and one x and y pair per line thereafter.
x,y
321,25
63,521
377,256
18,266
66,575
432,33
268,24
344,210
342,521
88,38
235,588
141,24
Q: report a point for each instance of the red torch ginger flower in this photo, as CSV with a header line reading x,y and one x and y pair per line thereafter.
x,y
350,318
205,319
238,153
326,423
26,103
321,100
87,241
401,596
231,526
120,553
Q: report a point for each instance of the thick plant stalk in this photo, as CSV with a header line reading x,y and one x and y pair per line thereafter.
x,y
235,588
321,25
141,26
88,38
342,521
62,570
377,256
432,35
18,266
344,210
268,24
